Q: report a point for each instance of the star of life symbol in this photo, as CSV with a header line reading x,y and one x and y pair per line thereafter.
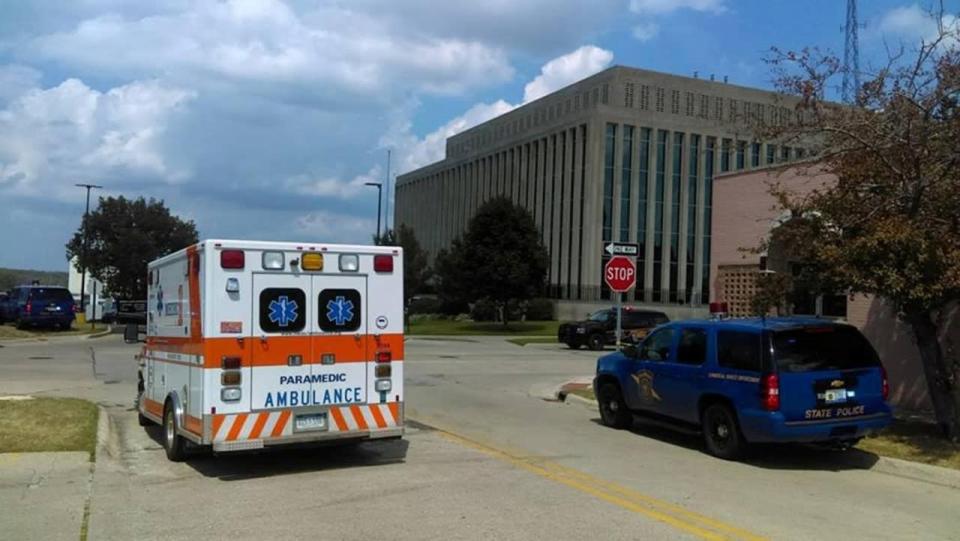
x,y
283,311
339,310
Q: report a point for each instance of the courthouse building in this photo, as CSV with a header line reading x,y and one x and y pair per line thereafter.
x,y
625,155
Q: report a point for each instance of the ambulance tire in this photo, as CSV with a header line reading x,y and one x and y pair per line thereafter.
x,y
721,432
144,421
613,410
173,443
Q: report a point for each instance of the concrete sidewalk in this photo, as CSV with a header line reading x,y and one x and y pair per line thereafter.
x,y
43,495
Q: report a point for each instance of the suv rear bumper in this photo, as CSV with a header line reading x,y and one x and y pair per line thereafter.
x,y
45,319
762,426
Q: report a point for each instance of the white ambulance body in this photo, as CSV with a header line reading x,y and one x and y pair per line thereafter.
x,y
252,344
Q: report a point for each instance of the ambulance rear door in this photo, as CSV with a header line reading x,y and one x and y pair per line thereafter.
x,y
281,349
340,339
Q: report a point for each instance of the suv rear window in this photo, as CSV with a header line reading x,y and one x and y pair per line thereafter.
x,y
51,294
822,348
739,350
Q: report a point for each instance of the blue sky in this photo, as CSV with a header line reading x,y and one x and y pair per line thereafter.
x,y
263,119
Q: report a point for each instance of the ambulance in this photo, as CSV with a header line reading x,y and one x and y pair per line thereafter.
x,y
257,344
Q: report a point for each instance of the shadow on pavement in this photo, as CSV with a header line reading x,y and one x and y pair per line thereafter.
x,y
292,459
770,456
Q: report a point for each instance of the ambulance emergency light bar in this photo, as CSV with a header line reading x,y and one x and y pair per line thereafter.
x,y
312,261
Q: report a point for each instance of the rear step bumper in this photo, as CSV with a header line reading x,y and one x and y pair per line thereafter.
x,y
307,437
770,427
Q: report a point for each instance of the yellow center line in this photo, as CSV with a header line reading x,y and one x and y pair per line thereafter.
x,y
698,525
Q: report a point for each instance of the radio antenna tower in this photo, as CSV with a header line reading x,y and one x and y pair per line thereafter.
x,y
851,55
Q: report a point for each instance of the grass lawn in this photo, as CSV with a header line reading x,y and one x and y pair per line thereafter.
x,y
533,340
914,440
11,332
47,424
450,327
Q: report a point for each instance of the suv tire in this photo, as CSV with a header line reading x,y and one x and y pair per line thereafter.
x,y
613,410
721,432
595,342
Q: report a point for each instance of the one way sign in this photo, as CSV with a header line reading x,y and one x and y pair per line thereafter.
x,y
621,248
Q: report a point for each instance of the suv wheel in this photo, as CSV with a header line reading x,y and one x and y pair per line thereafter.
x,y
595,342
613,410
721,434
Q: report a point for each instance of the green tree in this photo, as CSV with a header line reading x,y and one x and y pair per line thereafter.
x,y
123,235
416,271
499,258
890,224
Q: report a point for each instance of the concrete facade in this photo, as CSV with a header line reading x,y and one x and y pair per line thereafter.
x,y
625,155
744,214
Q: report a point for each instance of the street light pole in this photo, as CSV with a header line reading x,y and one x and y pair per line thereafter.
x,y
83,251
379,200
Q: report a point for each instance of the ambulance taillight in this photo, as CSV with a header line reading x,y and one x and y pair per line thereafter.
x,y
230,379
231,259
383,371
383,263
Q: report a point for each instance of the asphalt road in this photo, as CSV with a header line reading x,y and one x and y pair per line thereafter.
x,y
486,458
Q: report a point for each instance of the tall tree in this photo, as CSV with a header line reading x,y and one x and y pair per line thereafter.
x,y
890,224
416,271
499,258
123,235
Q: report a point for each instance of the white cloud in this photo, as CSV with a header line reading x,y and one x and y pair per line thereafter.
x,y
914,23
566,69
661,7
71,133
333,187
646,31
335,227
414,152
331,49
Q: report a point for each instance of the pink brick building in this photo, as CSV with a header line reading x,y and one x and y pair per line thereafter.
x,y
744,212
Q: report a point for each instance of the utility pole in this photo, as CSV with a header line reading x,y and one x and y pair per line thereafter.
x,y
83,252
386,215
379,186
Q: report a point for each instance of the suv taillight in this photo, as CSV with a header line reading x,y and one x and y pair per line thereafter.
x,y
28,307
770,392
884,384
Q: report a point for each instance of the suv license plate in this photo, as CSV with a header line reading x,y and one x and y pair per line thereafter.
x,y
313,421
833,396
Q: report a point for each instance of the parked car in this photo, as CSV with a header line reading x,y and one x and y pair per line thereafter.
x,y
41,306
4,307
600,327
748,381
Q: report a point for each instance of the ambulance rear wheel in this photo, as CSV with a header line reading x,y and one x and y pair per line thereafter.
x,y
173,443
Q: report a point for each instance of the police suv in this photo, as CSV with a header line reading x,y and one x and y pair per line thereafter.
x,y
743,381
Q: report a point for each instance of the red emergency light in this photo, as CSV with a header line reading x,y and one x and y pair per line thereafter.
x,y
231,259
383,263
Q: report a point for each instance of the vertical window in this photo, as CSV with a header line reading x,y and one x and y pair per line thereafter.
x,y
658,214
677,180
609,155
644,97
560,176
771,153
741,155
704,106
755,155
693,171
692,347
626,151
583,183
784,153
675,102
800,153
659,100
707,217
571,231
642,211
739,350
689,100
725,155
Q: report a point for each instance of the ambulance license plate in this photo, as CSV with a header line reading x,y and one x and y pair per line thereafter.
x,y
313,421
834,396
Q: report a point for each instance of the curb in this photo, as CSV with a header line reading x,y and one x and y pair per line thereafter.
x,y
99,334
917,471
575,399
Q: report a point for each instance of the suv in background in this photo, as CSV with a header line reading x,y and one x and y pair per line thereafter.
x,y
600,327
750,380
4,306
41,306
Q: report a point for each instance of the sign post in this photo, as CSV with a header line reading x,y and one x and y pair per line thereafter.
x,y
620,274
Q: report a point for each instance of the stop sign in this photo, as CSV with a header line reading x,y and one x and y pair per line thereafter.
x,y
620,273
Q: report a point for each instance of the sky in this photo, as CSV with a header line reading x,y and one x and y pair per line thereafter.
x,y
264,119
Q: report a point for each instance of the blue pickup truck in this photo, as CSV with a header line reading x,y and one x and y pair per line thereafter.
x,y
742,381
